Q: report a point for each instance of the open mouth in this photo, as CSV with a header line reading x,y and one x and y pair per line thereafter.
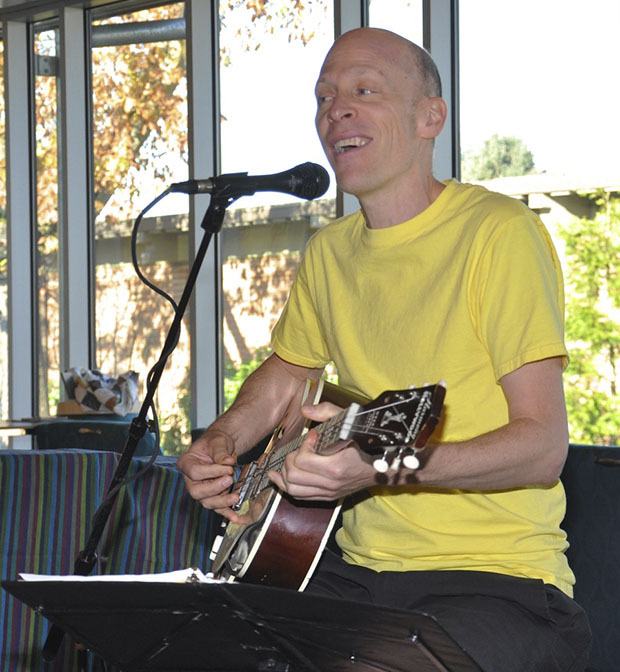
x,y
348,144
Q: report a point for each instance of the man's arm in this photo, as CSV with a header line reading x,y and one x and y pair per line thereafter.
x,y
262,400
529,450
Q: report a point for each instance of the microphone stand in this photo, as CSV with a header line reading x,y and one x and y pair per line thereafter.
x,y
87,558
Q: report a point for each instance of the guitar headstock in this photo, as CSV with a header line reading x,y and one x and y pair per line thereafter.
x,y
395,425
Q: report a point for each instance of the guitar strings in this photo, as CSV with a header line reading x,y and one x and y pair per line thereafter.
x,y
275,464
326,432
280,456
259,480
392,404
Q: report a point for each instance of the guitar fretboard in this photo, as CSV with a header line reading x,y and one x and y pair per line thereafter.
x,y
394,421
329,432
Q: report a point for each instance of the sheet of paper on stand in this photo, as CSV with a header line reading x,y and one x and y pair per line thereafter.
x,y
189,575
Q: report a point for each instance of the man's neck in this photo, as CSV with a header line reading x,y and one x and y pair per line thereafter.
x,y
391,208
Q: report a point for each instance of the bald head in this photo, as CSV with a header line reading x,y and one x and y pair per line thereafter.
x,y
412,59
378,114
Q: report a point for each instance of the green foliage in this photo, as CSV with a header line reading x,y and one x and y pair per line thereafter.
x,y
500,156
592,325
174,428
234,376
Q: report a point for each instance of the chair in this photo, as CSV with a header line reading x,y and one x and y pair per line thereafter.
x,y
591,478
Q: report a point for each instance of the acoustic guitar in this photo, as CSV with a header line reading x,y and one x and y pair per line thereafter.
x,y
281,539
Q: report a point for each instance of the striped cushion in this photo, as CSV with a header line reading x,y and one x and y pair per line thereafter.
x,y
47,500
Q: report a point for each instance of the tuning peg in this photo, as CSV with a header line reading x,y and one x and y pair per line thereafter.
x,y
397,461
411,461
381,464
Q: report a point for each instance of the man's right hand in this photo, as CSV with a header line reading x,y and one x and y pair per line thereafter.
x,y
208,468
262,402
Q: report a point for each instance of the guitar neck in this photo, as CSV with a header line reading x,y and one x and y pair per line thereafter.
x,y
328,431
396,424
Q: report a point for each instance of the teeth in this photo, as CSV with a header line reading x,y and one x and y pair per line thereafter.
x,y
347,143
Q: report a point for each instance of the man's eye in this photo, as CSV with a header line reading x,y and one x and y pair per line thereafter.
x,y
323,99
364,91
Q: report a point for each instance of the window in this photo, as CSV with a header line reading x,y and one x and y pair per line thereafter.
x,y
269,64
139,94
400,16
47,340
537,121
539,114
4,346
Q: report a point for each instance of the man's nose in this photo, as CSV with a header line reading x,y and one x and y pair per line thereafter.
x,y
340,109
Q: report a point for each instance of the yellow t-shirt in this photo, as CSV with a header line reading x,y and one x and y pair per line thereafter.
x,y
467,291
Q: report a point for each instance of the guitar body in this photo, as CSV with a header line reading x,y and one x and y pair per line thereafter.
x,y
283,547
282,539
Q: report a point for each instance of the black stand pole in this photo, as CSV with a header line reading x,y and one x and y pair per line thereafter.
x,y
87,558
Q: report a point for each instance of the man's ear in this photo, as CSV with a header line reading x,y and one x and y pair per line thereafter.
x,y
432,113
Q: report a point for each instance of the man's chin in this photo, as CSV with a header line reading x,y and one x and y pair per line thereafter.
x,y
349,181
351,186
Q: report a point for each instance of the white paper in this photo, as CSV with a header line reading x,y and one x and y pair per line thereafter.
x,y
189,575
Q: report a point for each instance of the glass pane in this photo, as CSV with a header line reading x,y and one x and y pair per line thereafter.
x,y
140,146
400,16
539,115
4,347
47,260
269,63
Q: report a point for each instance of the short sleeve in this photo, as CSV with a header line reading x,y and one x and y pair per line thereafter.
x,y
517,296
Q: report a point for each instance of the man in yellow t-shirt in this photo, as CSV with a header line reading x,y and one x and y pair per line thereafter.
x,y
429,280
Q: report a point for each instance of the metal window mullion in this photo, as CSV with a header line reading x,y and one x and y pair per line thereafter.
x,y
441,18
118,34
348,15
74,208
206,330
19,218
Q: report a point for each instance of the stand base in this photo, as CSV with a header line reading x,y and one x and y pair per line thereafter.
x,y
240,628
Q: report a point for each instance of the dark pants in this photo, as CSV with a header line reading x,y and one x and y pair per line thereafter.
x,y
506,624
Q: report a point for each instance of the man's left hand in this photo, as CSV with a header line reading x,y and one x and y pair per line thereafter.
x,y
309,475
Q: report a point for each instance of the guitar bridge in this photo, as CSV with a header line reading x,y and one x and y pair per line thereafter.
x,y
247,483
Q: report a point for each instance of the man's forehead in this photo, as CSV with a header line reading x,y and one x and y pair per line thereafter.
x,y
353,70
377,55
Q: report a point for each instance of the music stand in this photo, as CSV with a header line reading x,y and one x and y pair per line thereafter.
x,y
240,628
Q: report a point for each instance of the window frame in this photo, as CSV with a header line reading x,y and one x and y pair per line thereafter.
x,y
76,212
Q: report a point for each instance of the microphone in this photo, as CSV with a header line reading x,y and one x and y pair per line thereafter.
x,y
307,180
